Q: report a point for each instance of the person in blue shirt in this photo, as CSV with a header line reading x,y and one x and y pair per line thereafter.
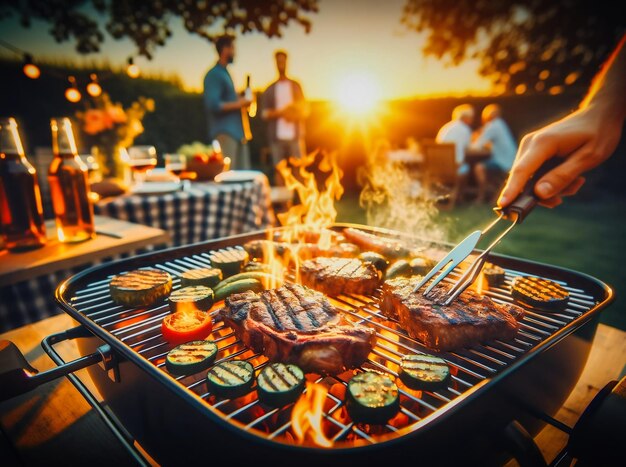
x,y
224,106
496,136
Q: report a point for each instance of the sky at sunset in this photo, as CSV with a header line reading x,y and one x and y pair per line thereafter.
x,y
349,41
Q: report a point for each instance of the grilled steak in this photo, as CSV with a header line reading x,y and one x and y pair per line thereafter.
x,y
469,320
335,276
294,324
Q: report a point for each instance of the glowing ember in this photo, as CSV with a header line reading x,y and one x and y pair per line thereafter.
x,y
306,417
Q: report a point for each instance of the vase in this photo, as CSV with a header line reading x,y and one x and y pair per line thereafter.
x,y
111,160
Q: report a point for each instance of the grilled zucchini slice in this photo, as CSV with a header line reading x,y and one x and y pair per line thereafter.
x,y
279,384
208,277
141,287
376,259
239,286
372,398
400,267
191,357
421,265
196,297
542,294
231,379
424,372
494,275
230,262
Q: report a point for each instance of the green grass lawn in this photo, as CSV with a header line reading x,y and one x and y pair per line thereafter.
x,y
583,236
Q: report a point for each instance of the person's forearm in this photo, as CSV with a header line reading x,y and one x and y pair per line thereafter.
x,y
608,91
230,106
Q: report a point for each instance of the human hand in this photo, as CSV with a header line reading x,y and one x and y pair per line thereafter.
x,y
584,140
244,103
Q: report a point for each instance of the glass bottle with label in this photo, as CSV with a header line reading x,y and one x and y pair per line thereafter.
x,y
69,187
21,210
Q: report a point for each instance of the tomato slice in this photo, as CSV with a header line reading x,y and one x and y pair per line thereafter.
x,y
185,326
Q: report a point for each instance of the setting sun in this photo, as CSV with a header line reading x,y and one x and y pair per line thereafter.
x,y
357,93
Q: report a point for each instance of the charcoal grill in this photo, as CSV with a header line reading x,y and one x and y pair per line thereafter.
x,y
176,419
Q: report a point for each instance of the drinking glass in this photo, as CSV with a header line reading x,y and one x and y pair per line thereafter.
x,y
141,159
175,163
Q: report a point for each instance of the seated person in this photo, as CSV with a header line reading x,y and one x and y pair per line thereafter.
x,y
459,132
496,136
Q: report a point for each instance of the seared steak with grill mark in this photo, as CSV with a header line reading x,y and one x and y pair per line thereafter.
x,y
294,324
335,276
469,320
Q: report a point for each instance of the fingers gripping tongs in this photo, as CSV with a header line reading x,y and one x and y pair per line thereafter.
x,y
515,213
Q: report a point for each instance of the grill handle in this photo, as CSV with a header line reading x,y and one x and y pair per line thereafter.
x,y
17,376
521,206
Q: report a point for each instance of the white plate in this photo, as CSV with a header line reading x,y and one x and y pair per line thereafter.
x,y
237,176
155,188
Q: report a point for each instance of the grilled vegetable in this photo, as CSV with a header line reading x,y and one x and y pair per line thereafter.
x,y
186,326
195,297
387,247
399,268
232,378
542,294
424,372
191,357
372,398
279,384
255,266
230,262
375,259
494,275
208,277
141,287
263,277
237,287
421,265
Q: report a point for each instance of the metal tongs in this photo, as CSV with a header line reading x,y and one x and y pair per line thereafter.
x,y
515,212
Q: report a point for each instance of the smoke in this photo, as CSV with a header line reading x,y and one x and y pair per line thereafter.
x,y
394,198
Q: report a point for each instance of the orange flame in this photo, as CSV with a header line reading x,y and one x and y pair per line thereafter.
x,y
306,416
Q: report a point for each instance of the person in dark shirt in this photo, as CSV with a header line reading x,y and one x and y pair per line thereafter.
x,y
224,106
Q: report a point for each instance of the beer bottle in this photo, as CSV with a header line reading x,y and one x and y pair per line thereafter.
x,y
21,211
69,187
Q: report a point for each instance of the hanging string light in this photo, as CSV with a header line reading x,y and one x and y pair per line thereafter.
x,y
132,69
72,93
93,88
30,69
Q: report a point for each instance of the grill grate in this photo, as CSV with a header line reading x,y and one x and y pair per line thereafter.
x,y
140,329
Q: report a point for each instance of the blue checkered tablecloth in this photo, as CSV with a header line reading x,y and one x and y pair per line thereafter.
x,y
202,212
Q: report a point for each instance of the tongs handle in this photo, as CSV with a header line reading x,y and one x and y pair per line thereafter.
x,y
521,206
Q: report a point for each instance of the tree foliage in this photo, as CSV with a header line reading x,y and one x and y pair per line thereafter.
x,y
147,22
522,45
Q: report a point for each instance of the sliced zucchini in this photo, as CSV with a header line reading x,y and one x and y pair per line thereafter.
x,y
279,384
237,287
421,265
231,379
542,294
196,297
424,372
376,259
372,398
230,262
141,287
255,266
191,357
258,275
494,275
208,277
400,267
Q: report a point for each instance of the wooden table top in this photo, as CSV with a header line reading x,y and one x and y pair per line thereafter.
x,y
54,418
113,237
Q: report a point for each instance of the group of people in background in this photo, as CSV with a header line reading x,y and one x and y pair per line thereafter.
x,y
493,136
283,106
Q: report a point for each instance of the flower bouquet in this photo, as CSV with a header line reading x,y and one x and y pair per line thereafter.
x,y
107,127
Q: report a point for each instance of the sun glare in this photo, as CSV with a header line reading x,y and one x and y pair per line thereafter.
x,y
357,93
